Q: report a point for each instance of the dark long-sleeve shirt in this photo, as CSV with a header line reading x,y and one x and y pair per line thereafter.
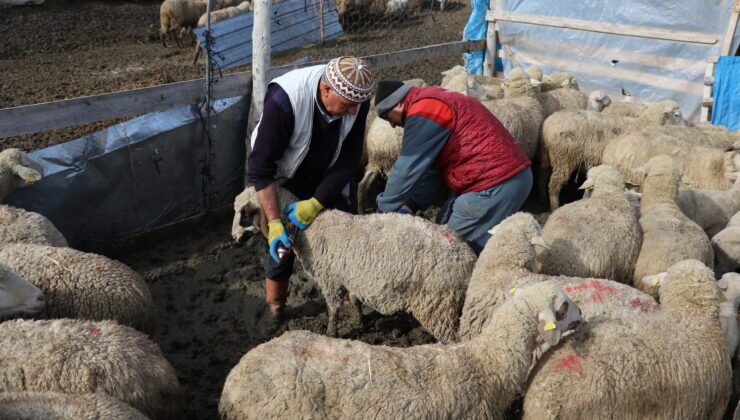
x,y
314,177
426,130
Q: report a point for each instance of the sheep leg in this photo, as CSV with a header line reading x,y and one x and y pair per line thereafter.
x,y
356,311
363,188
557,180
333,301
162,38
543,174
197,53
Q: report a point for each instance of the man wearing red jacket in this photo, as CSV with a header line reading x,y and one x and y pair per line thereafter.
x,y
452,145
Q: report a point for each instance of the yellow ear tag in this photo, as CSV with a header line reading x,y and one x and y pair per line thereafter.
x,y
31,179
512,290
656,280
549,326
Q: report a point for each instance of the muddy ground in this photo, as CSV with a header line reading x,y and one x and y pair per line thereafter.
x,y
208,291
70,48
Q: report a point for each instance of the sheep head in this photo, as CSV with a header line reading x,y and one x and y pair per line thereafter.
x,y
512,242
662,113
661,177
729,284
518,84
535,73
557,313
598,100
18,295
559,81
17,169
689,285
603,179
247,220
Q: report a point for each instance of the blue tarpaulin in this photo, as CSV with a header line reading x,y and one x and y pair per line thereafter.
x,y
726,105
475,30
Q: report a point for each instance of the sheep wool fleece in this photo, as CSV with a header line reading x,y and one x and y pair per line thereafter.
x,y
480,152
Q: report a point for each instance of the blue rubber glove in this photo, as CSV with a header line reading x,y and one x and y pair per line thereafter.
x,y
277,236
405,210
303,213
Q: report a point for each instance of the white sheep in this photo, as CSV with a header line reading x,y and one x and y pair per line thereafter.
x,y
696,136
18,295
559,91
17,225
57,405
332,378
82,285
177,16
575,140
670,363
520,111
726,246
506,264
597,101
624,109
382,145
397,263
711,209
668,235
76,357
705,167
582,234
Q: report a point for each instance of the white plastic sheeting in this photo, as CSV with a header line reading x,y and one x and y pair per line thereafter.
x,y
647,69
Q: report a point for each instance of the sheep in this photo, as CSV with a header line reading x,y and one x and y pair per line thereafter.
x,y
479,87
710,209
558,80
726,246
180,15
696,136
219,15
624,109
506,264
669,363
450,74
56,405
668,235
18,295
333,378
76,357
559,91
378,269
581,234
17,225
706,167
573,140
520,111
535,73
82,285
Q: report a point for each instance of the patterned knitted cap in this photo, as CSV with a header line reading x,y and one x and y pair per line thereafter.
x,y
351,78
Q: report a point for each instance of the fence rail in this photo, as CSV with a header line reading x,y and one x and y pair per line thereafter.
x,y
46,116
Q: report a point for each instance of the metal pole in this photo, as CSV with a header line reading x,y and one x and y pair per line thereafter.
x,y
261,44
208,60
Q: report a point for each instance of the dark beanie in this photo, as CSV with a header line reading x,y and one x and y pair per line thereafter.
x,y
389,94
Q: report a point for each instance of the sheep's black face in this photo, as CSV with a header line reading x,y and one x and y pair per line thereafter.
x,y
246,223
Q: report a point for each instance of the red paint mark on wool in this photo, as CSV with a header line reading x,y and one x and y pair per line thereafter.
x,y
449,237
98,268
598,290
94,332
570,364
643,305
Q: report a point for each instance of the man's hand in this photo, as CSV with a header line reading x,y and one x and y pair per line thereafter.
x,y
303,213
277,236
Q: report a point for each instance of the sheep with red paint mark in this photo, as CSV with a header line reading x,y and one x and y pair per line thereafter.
x,y
17,169
80,357
83,285
322,377
506,264
669,363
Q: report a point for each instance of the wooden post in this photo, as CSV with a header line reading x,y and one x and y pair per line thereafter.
x,y
261,43
731,26
489,61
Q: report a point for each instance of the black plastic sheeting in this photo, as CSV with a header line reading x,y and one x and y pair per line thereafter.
x,y
140,175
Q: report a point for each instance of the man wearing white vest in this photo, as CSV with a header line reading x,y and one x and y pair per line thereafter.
x,y
309,140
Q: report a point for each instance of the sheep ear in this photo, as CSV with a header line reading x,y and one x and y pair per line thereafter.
x,y
27,174
587,185
654,280
548,327
732,176
685,180
538,241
